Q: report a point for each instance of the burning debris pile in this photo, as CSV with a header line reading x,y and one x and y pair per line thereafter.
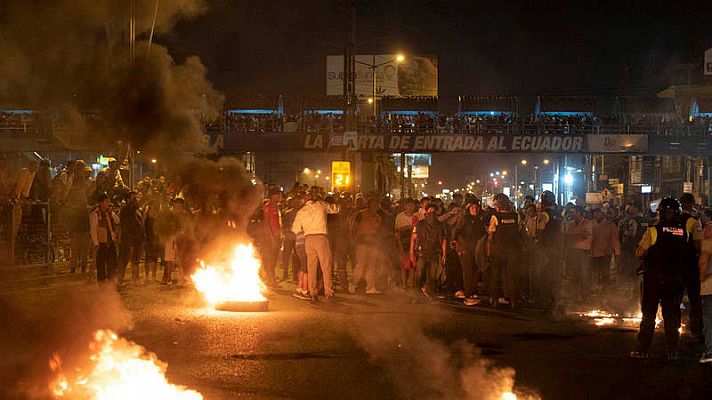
x,y
117,369
603,318
233,284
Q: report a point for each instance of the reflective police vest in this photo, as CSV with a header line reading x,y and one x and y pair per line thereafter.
x,y
668,244
506,236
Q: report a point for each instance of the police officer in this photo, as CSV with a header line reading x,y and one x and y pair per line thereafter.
x,y
661,249
505,246
548,248
690,269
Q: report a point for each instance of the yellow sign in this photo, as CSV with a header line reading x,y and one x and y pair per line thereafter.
x,y
340,167
340,173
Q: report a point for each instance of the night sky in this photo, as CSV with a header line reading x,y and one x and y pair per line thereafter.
x,y
519,48
523,48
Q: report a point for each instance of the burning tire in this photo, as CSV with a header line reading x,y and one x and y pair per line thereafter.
x,y
243,306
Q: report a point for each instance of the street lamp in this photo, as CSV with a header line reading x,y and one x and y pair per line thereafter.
x,y
373,67
546,161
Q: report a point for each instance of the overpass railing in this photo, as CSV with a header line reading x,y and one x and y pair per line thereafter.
x,y
500,129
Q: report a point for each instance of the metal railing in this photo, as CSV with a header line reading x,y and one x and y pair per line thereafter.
x,y
34,233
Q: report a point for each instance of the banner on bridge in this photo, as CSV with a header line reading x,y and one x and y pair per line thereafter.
x,y
453,143
429,143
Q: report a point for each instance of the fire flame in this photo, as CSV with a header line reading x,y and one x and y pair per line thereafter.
x,y
236,280
597,314
120,370
604,321
605,318
509,396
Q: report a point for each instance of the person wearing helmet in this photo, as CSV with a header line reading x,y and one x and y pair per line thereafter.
x,y
690,269
661,250
549,250
504,248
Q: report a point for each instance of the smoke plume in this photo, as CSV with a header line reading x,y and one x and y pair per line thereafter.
x,y
425,368
72,57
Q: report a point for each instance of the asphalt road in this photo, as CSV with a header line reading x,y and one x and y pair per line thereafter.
x,y
397,346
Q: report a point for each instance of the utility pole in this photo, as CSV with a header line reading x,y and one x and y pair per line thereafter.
x,y
132,57
349,78
403,162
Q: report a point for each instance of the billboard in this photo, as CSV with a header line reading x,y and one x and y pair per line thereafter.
x,y
708,62
416,75
601,143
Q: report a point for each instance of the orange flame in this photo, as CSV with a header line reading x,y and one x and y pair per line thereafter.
x,y
236,280
120,370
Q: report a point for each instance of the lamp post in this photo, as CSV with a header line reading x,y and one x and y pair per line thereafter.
x,y
516,181
373,67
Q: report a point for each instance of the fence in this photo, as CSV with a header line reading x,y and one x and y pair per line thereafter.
x,y
34,233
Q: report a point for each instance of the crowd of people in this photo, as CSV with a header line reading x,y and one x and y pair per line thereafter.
x,y
479,123
425,123
469,249
489,251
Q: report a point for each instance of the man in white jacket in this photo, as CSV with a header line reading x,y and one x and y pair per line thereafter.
x,y
311,220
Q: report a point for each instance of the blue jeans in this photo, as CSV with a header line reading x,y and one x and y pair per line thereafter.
x,y
707,321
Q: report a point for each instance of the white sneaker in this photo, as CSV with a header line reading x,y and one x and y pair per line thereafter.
x,y
471,301
459,294
352,288
373,291
502,301
706,358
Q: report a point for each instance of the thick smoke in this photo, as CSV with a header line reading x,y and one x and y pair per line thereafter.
x,y
31,334
425,368
72,56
